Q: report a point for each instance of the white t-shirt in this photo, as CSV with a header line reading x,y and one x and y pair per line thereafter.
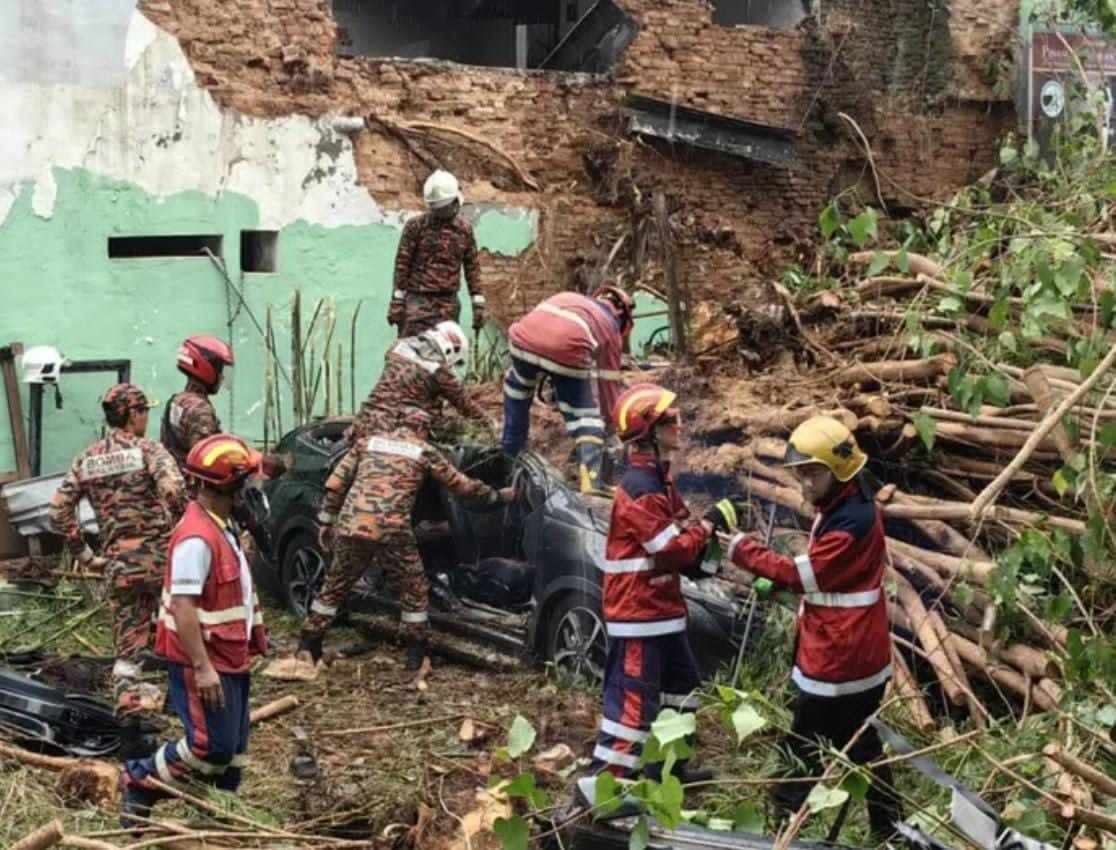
x,y
190,565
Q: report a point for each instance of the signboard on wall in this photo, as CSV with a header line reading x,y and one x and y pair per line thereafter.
x,y
1053,66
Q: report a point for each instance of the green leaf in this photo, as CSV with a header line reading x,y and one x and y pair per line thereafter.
x,y
1106,434
607,794
521,736
951,304
641,835
996,389
879,262
927,428
666,800
902,261
1008,155
1061,482
823,797
671,725
1058,607
1107,304
521,786
1007,340
513,832
863,227
746,721
829,221
747,817
856,785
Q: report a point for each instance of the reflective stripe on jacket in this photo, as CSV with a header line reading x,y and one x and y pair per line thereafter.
x,y
222,608
844,641
649,544
575,336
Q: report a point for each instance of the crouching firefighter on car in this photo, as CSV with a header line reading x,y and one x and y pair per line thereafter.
x,y
210,627
651,542
365,519
842,657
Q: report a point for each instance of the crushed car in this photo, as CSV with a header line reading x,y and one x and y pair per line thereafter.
x,y
524,580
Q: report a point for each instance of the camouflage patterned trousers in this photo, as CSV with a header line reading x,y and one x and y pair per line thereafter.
x,y
421,312
398,555
134,589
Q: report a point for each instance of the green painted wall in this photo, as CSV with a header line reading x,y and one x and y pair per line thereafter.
x,y
61,289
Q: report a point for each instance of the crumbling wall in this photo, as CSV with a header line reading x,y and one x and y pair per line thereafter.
x,y
909,73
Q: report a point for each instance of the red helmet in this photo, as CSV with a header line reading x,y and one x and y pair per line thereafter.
x,y
622,304
203,357
640,408
222,460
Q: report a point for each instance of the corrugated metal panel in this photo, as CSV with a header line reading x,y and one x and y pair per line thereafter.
x,y
29,505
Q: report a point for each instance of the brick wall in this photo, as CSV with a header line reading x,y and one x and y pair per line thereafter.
x,y
919,80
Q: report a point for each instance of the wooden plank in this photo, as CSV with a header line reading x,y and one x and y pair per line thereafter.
x,y
8,355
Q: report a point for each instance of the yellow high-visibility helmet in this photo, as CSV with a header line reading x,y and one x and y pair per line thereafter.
x,y
824,440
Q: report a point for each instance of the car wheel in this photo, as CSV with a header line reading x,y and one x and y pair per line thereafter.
x,y
576,641
304,569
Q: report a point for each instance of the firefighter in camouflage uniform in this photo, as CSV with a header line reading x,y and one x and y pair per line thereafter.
x,y
419,373
137,494
432,251
365,519
190,415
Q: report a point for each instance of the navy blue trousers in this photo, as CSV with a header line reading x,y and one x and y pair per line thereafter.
x,y
212,752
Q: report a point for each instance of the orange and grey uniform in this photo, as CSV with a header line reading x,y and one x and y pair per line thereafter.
x,y
415,376
428,265
137,495
370,498
189,418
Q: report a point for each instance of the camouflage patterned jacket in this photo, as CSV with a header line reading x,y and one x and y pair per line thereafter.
x,y
415,375
431,254
189,417
371,493
136,491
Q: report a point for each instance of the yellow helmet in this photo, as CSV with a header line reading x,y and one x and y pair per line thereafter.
x,y
824,440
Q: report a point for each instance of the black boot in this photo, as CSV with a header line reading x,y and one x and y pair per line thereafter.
x,y
689,772
313,645
416,652
134,802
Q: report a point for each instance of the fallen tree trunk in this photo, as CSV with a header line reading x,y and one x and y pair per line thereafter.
x,y
1082,769
1026,659
943,535
895,371
950,566
925,633
979,421
976,708
41,838
991,437
1005,677
916,263
784,421
960,511
910,695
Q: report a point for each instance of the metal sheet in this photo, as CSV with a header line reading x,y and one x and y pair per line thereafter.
x,y
29,506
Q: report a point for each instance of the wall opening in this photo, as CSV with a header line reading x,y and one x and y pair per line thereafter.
x,y
259,251
143,247
494,33
774,14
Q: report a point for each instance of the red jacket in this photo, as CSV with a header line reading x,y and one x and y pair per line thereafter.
x,y
648,546
844,641
576,336
221,606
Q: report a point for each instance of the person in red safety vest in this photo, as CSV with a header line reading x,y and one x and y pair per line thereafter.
x,y
842,657
651,542
210,627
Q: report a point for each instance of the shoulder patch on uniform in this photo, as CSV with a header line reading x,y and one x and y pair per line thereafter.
x,y
400,448
174,414
112,463
639,481
405,352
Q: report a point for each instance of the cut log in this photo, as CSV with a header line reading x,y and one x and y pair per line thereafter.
x,y
976,709
896,371
275,708
935,653
993,437
949,566
1038,385
1026,659
1006,677
36,759
911,696
886,286
1100,780
979,421
944,536
783,421
870,405
41,838
1090,817
916,263
960,511
747,461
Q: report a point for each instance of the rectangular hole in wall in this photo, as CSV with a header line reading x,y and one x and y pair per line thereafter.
x,y
143,247
773,14
259,251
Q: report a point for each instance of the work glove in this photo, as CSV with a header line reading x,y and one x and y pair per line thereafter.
x,y
722,516
91,562
397,312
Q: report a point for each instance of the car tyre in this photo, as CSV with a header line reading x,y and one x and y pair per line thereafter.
x,y
576,640
303,572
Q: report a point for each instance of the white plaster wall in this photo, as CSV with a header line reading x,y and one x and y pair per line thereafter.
x,y
128,107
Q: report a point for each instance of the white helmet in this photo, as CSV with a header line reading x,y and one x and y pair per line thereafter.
x,y
450,340
42,364
441,190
